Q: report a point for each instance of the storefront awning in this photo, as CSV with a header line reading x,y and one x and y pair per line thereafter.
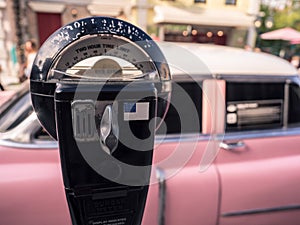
x,y
47,7
105,8
199,16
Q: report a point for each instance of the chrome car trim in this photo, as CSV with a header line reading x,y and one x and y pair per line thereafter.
x,y
257,78
19,145
232,146
260,210
161,177
286,104
170,138
283,132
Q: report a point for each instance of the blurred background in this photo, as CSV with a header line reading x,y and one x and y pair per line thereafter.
x,y
236,23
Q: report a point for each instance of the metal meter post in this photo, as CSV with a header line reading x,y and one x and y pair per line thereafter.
x,y
98,86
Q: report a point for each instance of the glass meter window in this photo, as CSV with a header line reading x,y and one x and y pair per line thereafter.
x,y
104,67
103,58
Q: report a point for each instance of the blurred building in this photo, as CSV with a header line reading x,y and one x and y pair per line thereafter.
x,y
225,22
6,40
218,21
21,20
45,16
3,54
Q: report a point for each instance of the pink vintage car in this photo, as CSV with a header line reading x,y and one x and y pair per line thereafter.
x,y
228,152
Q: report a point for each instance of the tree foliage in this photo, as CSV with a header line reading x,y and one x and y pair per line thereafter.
x,y
287,16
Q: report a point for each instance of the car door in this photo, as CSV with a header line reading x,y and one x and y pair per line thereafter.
x,y
259,158
180,193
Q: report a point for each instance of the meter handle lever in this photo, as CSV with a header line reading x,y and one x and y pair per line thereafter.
x,y
109,131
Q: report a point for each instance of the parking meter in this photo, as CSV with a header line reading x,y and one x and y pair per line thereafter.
x,y
98,86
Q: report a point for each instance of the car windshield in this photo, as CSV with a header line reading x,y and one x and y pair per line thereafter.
x,y
15,110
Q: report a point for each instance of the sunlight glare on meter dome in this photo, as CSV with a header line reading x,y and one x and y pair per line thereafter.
x,y
105,68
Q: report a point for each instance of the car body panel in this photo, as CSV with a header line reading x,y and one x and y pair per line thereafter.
x,y
261,178
182,182
31,188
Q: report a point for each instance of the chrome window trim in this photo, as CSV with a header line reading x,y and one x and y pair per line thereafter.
x,y
171,138
159,139
249,78
286,104
268,133
243,135
29,146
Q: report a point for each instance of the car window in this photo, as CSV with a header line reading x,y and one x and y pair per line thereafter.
x,y
185,107
14,112
261,105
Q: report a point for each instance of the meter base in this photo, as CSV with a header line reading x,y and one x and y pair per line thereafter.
x,y
114,206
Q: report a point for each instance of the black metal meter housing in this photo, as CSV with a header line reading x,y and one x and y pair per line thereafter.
x,y
98,86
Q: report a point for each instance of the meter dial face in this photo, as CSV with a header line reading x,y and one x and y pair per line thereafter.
x,y
103,57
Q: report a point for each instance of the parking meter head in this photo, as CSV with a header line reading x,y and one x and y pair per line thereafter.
x,y
96,50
